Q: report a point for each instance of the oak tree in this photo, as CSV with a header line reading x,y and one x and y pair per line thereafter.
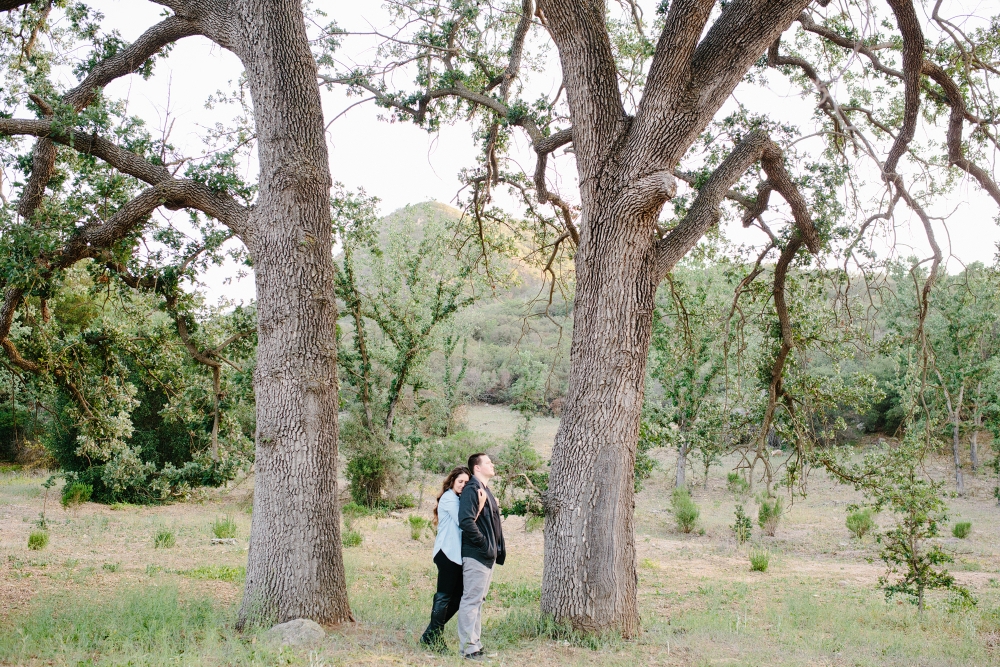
x,y
295,567
644,113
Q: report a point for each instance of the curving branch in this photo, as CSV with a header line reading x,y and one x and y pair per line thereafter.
x,y
956,122
704,212
121,64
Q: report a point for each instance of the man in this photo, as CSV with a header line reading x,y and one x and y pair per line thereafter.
x,y
482,546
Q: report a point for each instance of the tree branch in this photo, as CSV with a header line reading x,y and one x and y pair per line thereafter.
x,y
704,212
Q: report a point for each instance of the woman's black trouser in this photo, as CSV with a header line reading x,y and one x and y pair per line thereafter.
x,y
446,599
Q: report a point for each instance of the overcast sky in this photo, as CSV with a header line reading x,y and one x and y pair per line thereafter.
x,y
400,163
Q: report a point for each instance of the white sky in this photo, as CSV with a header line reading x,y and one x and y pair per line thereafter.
x,y
400,163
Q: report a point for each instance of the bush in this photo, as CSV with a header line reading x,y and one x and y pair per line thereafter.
x,y
110,567
224,527
369,472
352,538
685,510
769,514
440,456
418,525
75,494
743,526
736,484
962,529
759,559
164,539
38,540
860,523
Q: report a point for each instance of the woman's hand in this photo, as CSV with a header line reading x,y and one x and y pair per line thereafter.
x,y
482,501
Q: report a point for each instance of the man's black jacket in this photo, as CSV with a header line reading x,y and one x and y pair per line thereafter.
x,y
482,538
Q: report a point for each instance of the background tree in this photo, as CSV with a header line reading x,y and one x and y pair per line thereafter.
x,y
95,177
401,282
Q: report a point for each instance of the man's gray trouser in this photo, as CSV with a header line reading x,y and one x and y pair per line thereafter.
x,y
476,581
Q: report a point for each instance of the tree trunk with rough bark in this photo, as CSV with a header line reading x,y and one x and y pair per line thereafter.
x,y
589,572
679,480
957,453
295,566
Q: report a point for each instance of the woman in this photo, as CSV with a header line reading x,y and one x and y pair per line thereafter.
x,y
447,556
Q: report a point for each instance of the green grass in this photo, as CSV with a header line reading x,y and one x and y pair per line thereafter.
x,y
418,526
164,539
224,527
38,540
352,538
860,523
759,559
685,510
235,575
962,529
141,626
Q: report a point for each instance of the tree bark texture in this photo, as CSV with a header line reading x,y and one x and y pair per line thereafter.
x,y
679,480
295,566
625,168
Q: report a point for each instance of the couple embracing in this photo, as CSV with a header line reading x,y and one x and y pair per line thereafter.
x,y
469,542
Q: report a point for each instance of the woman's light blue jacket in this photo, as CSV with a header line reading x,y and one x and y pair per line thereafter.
x,y
449,535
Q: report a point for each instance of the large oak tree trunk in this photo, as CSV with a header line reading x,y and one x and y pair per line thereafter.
x,y
295,567
589,533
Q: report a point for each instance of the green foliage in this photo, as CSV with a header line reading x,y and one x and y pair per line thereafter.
x,y
742,527
225,527
110,567
441,456
684,509
962,529
75,494
760,558
352,538
164,538
520,476
769,514
228,573
149,625
418,526
736,484
368,471
401,289
891,478
860,522
38,540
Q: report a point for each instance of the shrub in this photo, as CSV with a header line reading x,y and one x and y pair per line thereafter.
x,y
759,559
962,529
440,456
352,538
736,484
418,525
860,523
164,539
110,567
743,526
369,471
38,540
685,510
769,514
224,527
75,494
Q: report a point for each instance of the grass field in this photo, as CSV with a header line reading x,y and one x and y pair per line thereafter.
x,y
102,592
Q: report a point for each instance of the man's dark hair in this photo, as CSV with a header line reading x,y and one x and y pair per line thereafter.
x,y
474,460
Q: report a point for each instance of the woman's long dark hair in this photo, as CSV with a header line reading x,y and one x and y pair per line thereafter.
x,y
449,482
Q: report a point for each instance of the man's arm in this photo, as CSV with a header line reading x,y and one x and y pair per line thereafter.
x,y
468,510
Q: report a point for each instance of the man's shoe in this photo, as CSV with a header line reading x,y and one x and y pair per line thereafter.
x,y
478,655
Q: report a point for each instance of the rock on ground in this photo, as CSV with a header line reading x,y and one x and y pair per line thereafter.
x,y
298,632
